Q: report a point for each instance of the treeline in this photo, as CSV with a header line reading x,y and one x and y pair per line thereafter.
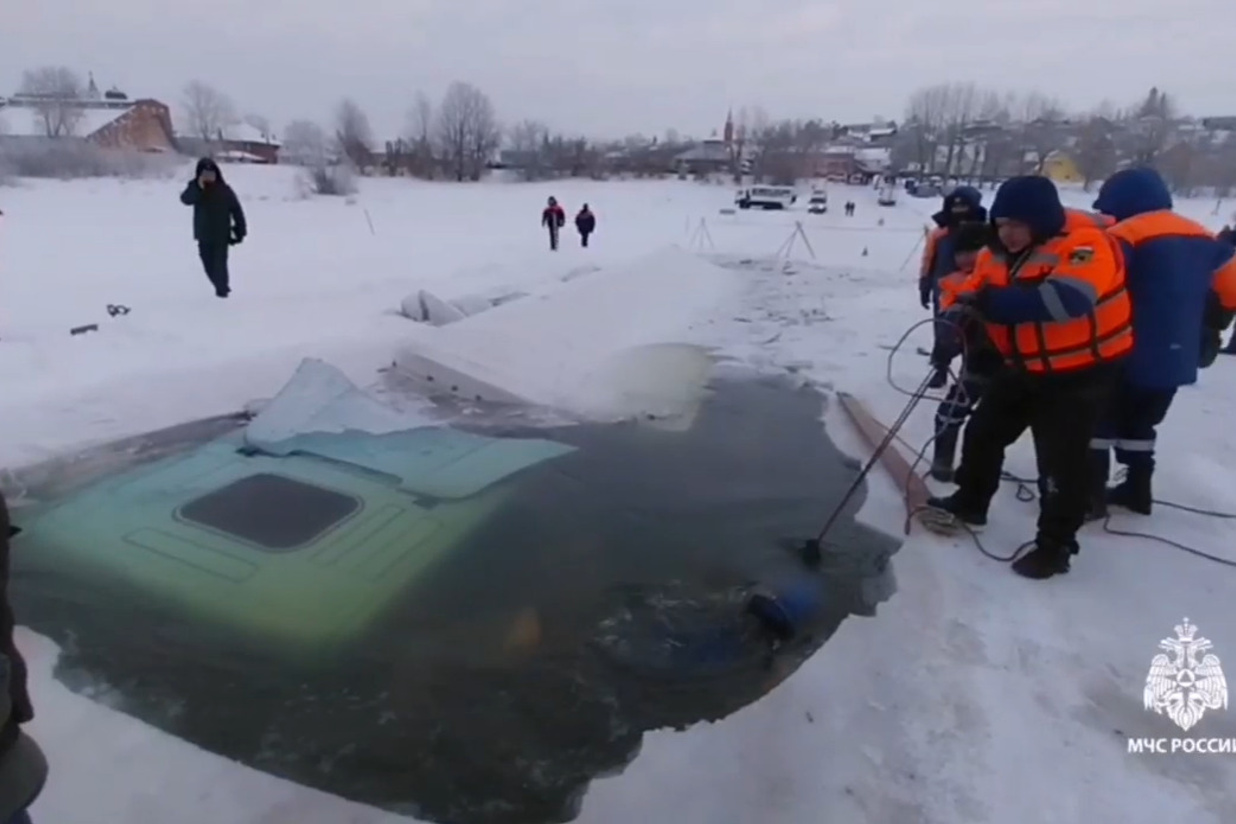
x,y
966,131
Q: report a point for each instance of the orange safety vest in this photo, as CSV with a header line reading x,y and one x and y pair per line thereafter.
x,y
1086,253
929,250
1169,224
1080,218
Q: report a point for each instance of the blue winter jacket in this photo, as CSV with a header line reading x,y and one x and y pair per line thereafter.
x,y
1171,263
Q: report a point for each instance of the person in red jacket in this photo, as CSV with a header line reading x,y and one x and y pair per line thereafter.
x,y
553,218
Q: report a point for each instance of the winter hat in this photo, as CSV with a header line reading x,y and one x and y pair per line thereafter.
x,y
971,236
967,196
208,164
1133,192
1032,200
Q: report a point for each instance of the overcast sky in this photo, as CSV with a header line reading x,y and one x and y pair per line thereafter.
x,y
615,67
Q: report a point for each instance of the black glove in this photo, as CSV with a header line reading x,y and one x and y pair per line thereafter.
x,y
237,237
924,292
975,301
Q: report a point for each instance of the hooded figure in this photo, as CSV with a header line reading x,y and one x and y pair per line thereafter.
x,y
23,767
553,218
1053,301
1182,283
961,206
585,224
218,221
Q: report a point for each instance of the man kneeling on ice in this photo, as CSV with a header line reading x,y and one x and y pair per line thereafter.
x,y
1052,296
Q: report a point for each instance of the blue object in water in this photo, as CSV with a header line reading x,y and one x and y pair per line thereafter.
x,y
786,607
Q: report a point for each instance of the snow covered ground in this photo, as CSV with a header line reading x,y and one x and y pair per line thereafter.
x,y
973,696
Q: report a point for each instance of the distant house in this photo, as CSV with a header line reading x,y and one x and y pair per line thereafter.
x,y
111,122
235,143
1059,167
707,157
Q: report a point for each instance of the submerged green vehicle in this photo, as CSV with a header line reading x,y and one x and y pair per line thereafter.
x,y
302,549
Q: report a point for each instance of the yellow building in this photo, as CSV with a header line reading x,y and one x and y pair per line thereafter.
x,y
1060,168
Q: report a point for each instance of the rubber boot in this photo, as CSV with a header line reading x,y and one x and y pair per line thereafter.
x,y
1134,492
1098,467
945,452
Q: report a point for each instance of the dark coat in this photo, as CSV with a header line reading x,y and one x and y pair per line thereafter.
x,y
217,216
553,217
586,222
21,710
1171,264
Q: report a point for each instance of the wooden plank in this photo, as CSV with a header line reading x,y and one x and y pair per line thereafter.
x,y
913,488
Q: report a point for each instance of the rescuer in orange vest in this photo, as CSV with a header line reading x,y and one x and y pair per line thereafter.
x,y
1052,295
1182,281
961,206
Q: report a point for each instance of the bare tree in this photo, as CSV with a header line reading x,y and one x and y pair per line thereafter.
x,y
208,111
420,119
1095,151
529,145
353,133
961,106
305,142
926,116
56,96
1041,119
467,130
1152,122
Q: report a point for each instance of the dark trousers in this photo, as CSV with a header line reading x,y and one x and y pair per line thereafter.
x,y
940,330
1062,413
553,237
1129,424
214,262
583,239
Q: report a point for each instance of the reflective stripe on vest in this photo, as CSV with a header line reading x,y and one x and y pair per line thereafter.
x,y
1104,334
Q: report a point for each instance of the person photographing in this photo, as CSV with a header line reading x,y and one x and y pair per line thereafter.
x,y
218,222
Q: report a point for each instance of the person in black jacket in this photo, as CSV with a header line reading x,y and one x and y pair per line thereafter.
x,y
218,221
23,767
585,224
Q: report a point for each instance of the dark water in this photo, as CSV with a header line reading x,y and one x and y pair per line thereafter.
x,y
604,598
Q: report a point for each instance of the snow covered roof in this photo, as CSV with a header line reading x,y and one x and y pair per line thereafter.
x,y
240,133
710,150
21,120
240,157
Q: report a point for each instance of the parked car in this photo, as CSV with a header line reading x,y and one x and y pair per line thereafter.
x,y
765,197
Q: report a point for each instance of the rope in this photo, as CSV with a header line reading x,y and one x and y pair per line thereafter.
x,y
1025,489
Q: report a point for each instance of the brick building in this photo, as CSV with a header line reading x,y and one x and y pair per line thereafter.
x,y
110,121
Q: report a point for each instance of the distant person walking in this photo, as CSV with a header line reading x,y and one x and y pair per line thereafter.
x,y
553,218
23,767
585,224
218,221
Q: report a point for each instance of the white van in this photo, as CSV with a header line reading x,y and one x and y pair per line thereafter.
x,y
765,197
